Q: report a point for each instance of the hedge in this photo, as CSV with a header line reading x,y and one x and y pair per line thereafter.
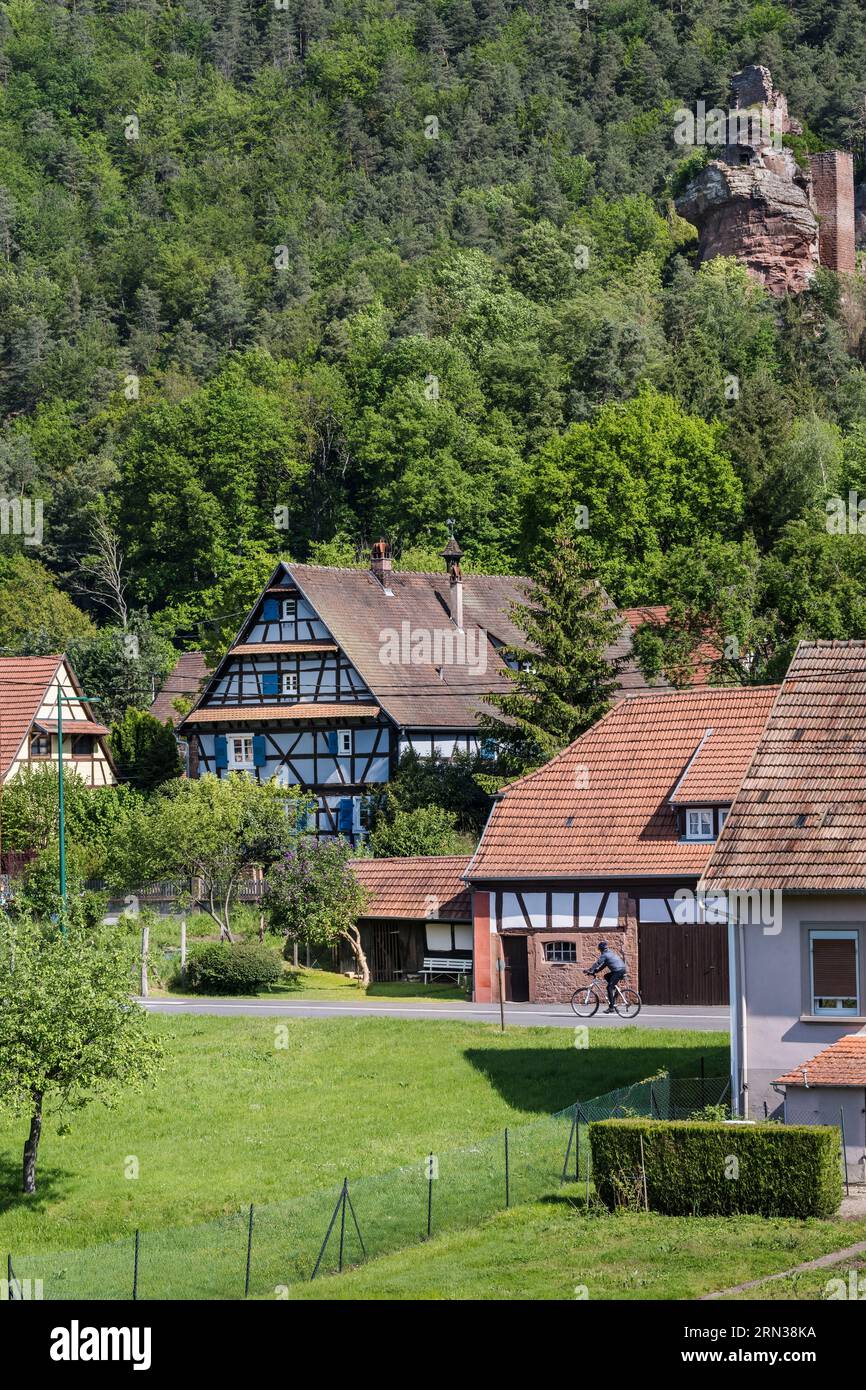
x,y
699,1168
223,967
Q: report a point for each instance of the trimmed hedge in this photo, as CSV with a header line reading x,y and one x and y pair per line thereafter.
x,y
223,967
781,1170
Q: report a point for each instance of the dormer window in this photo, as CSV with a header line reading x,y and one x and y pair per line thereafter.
x,y
699,823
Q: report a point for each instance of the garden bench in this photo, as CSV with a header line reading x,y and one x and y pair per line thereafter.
x,y
442,965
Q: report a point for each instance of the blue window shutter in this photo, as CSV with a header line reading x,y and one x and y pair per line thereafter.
x,y
269,683
332,740
345,815
221,749
271,610
260,756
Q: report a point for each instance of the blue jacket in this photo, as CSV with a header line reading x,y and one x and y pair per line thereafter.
x,y
608,959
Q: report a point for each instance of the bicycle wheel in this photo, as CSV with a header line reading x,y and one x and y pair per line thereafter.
x,y
584,1001
628,1003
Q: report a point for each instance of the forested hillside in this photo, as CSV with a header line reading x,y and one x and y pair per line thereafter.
x,y
278,275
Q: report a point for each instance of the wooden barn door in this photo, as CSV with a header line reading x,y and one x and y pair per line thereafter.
x,y
516,969
382,947
683,964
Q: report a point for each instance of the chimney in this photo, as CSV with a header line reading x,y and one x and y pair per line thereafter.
x,y
380,561
452,555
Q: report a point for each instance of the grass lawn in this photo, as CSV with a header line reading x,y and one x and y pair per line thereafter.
x,y
551,1249
327,984
235,1118
813,1283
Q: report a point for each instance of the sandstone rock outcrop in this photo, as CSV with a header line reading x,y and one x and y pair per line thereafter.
x,y
757,203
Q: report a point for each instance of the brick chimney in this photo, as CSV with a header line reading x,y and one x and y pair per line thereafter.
x,y
380,561
452,555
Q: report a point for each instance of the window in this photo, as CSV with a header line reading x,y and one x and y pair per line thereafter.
x,y
344,743
241,750
723,815
699,825
40,745
82,745
290,682
289,610
834,972
560,952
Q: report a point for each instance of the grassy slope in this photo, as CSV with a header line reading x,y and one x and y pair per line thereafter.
x,y
547,1250
234,1118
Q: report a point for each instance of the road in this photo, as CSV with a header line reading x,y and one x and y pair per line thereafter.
x,y
705,1019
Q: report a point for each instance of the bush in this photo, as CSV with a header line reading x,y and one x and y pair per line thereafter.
x,y
696,1168
220,967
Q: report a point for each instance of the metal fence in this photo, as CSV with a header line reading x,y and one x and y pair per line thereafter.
x,y
265,1250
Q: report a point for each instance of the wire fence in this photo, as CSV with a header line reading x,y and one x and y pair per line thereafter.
x,y
265,1250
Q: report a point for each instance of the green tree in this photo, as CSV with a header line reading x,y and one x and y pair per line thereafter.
x,y
564,675
71,1033
36,618
314,897
145,751
425,830
212,829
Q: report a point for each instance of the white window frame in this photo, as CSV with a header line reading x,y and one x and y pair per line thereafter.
x,y
560,953
834,934
233,761
344,743
288,610
290,682
699,811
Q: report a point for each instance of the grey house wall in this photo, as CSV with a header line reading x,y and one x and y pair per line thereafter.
x,y
772,1028
833,1105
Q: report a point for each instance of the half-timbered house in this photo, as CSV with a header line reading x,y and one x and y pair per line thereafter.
x,y
29,735
337,672
599,842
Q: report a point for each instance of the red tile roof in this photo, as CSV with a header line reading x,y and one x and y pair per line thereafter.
x,y
602,807
841,1064
24,681
429,888
185,679
799,820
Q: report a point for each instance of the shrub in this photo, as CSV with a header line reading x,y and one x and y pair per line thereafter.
x,y
220,967
696,1168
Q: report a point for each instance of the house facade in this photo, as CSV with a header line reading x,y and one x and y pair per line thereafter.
x,y
609,841
337,672
416,908
29,734
791,864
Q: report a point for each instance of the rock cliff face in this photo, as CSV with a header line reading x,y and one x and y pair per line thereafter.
x,y
754,201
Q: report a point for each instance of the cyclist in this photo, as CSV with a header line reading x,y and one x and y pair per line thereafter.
x,y
615,965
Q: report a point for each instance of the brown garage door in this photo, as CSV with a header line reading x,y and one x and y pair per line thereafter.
x,y
683,964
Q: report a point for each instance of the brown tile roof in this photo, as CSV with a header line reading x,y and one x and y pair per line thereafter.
x,y
82,726
799,820
24,681
841,1064
602,807
186,679
257,714
429,888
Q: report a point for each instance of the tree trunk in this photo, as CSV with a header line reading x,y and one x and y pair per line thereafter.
x,y
31,1144
354,939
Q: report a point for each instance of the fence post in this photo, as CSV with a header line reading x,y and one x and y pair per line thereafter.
x,y
703,1086
183,949
135,1270
249,1252
654,1110
587,1176
507,1174
327,1234
343,1224
643,1174
145,939
844,1150
429,1194
572,1134
9,1277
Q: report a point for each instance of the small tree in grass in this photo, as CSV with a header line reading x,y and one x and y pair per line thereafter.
x,y
70,1031
214,829
313,896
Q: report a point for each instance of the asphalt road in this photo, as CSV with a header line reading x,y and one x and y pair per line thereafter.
x,y
705,1019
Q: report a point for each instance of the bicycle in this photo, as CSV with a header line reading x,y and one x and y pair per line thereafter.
x,y
586,1000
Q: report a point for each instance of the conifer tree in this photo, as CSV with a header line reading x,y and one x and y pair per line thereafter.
x,y
564,676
